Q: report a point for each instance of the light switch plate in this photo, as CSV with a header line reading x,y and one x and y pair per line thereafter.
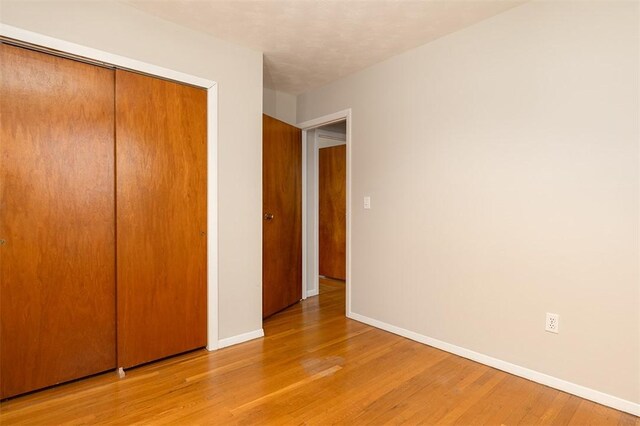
x,y
367,202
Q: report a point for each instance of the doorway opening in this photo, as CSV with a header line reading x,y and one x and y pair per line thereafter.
x,y
326,208
306,227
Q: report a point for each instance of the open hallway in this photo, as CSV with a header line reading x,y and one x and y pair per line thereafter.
x,y
313,367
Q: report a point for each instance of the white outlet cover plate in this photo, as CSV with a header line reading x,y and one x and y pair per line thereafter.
x,y
552,323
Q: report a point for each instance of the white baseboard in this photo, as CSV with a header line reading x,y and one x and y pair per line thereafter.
x,y
240,338
311,293
554,382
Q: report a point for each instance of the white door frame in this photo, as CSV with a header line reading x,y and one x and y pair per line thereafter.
x,y
306,126
75,50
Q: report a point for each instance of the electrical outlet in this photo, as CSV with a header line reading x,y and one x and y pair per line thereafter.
x,y
552,324
367,202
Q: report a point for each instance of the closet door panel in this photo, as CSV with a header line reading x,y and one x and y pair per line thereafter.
x,y
161,217
57,265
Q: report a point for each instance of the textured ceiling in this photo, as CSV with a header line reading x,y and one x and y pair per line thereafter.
x,y
308,43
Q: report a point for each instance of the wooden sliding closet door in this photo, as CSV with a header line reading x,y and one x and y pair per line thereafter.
x,y
161,145
57,261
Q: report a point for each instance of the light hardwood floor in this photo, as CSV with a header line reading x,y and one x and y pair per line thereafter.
x,y
313,367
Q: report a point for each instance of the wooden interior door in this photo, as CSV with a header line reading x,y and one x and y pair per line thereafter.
x,y
282,215
161,143
57,260
332,204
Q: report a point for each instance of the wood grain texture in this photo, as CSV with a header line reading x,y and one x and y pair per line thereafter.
x,y
161,142
314,367
332,207
282,197
57,268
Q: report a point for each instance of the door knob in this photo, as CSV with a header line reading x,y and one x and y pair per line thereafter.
x,y
268,216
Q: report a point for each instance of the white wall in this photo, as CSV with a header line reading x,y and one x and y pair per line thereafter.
x,y
120,29
311,226
502,162
279,105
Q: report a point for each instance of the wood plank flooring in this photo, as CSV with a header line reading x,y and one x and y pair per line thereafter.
x,y
313,367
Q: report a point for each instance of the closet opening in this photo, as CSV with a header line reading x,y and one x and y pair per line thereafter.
x,y
72,158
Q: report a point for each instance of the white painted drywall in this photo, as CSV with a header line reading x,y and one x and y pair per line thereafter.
x,y
279,105
123,30
311,253
503,166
